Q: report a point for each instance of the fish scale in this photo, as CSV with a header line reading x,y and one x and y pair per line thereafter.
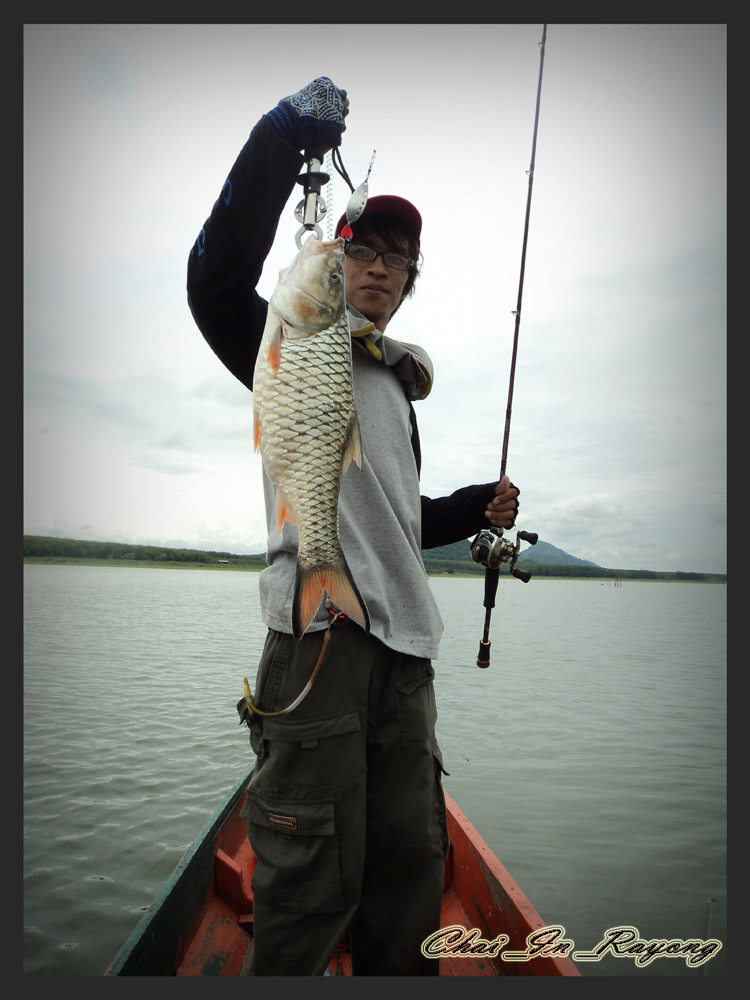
x,y
306,425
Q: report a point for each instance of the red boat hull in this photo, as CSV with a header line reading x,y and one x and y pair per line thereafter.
x,y
201,924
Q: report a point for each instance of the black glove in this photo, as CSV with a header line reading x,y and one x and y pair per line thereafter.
x,y
313,118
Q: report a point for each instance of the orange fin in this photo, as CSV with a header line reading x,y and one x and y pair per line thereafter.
x,y
273,355
256,429
353,447
284,510
311,587
343,592
309,591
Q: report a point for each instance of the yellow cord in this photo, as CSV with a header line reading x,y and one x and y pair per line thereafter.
x,y
362,335
303,693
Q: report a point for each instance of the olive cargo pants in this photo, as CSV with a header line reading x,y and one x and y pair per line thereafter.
x,y
345,808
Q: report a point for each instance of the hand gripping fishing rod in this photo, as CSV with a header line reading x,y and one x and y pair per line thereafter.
x,y
489,547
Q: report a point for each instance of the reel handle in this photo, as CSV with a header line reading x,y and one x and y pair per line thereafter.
x,y
523,574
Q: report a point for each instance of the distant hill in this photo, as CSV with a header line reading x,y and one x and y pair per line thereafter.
x,y
451,557
549,555
545,559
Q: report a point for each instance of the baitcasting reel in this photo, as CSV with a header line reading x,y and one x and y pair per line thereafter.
x,y
491,549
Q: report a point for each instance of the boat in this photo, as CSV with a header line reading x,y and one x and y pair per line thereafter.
x,y
201,923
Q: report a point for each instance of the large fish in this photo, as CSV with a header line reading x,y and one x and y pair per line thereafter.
x,y
305,423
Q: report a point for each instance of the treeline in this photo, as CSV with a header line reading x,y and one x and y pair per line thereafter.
x,y
44,547
598,572
63,549
581,572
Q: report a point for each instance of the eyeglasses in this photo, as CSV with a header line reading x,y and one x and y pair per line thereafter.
x,y
394,260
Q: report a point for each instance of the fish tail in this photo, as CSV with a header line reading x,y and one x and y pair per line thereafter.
x,y
309,590
344,593
353,445
312,585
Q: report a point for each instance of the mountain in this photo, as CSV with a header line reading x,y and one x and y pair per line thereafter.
x,y
549,555
457,557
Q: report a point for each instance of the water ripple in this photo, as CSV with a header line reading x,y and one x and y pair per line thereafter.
x,y
591,755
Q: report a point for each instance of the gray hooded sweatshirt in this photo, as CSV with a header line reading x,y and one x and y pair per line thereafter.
x,y
379,505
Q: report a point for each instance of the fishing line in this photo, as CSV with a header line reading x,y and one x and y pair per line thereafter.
x,y
488,549
339,165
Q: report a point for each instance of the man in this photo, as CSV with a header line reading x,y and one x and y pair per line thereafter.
x,y
345,807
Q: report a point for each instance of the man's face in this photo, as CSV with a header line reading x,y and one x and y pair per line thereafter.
x,y
371,287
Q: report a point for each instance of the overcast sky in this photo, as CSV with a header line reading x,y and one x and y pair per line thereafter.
x,y
135,432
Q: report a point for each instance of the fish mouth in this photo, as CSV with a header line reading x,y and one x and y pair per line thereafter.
x,y
323,303
296,318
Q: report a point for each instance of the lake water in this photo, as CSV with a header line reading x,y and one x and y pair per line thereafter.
x,y
591,755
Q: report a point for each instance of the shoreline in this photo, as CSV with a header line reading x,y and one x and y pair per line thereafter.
x,y
258,567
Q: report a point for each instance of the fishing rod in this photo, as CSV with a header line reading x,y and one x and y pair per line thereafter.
x,y
490,547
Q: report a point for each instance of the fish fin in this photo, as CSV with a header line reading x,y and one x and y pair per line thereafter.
x,y
343,592
273,355
353,446
284,510
312,585
309,590
256,429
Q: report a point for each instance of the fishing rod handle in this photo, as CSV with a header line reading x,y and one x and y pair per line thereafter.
x,y
483,656
491,577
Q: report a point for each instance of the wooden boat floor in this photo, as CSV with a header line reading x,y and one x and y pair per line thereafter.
x,y
202,922
221,944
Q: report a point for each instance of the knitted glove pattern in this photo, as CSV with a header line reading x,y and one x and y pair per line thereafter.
x,y
313,118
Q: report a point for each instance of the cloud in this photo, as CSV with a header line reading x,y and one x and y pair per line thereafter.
x,y
618,420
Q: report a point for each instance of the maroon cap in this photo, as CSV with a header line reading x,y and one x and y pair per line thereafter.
x,y
396,206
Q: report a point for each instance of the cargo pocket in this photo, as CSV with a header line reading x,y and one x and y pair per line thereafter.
x,y
308,764
309,753
415,702
296,843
